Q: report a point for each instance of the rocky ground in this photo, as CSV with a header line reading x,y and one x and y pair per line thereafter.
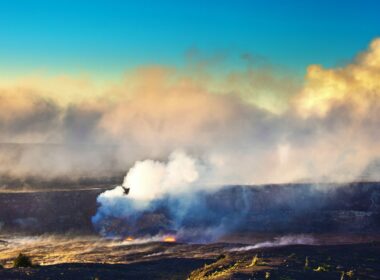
x,y
295,231
360,261
282,209
223,261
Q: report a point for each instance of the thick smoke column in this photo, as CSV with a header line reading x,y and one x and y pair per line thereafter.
x,y
164,198
149,181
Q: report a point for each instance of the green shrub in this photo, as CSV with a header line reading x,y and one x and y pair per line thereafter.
x,y
22,261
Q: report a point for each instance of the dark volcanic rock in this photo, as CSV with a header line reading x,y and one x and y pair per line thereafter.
x,y
297,262
48,211
292,208
174,268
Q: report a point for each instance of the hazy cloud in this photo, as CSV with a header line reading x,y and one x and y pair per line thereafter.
x,y
254,125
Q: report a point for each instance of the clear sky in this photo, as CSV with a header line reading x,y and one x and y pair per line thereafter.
x,y
107,37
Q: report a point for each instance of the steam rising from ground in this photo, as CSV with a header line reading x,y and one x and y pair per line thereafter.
x,y
172,187
279,241
54,249
152,179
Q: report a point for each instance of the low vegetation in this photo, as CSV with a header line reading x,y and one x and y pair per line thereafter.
x,y
296,262
22,261
254,262
223,266
306,266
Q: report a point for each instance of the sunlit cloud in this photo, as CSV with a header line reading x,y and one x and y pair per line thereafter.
x,y
263,122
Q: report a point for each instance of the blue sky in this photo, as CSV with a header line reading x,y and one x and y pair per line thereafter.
x,y
107,37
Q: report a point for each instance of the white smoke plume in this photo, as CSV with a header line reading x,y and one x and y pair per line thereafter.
x,y
149,180
153,184
153,179
280,241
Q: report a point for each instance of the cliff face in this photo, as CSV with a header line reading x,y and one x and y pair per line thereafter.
x,y
301,208
309,208
51,212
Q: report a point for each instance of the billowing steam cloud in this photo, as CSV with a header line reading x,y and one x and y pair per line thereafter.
x,y
170,188
151,179
252,126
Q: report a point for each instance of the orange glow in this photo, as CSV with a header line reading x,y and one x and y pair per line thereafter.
x,y
129,238
169,239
